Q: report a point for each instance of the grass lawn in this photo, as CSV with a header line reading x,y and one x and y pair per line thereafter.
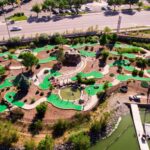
x,y
17,18
70,94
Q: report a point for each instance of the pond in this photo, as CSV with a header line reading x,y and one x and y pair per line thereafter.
x,y
124,138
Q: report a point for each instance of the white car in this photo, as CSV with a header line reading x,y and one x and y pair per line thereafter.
x,y
15,28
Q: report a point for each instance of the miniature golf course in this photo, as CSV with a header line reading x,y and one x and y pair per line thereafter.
x,y
10,97
87,54
83,45
46,60
94,89
46,82
62,104
45,48
128,77
93,74
7,83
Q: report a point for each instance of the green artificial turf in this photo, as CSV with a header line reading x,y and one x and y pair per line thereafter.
x,y
2,108
44,48
95,74
10,97
94,89
127,77
46,60
46,83
59,103
119,45
83,45
87,54
123,62
124,54
7,83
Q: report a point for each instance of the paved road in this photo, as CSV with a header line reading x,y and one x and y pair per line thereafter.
x,y
82,22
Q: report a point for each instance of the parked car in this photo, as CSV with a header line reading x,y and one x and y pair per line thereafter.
x,y
55,11
88,9
15,28
73,10
136,98
61,11
67,11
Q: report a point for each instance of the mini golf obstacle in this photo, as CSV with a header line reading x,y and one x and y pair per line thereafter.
x,y
93,74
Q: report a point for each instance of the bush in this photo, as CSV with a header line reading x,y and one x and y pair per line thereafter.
x,y
3,49
41,109
32,45
127,50
144,84
14,41
59,128
58,39
16,114
111,75
134,72
30,145
141,73
46,71
80,141
44,38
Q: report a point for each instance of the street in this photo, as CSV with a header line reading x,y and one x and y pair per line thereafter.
x,y
81,23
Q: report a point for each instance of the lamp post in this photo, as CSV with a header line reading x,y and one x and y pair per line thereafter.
x,y
119,24
7,25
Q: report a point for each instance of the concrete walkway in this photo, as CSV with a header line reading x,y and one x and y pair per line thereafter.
x,y
139,127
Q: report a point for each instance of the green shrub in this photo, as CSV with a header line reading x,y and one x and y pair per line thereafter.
x,y
43,38
41,109
59,128
144,84
127,50
111,75
135,72
80,141
14,41
141,73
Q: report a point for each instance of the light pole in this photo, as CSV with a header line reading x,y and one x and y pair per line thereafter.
x,y
119,24
7,25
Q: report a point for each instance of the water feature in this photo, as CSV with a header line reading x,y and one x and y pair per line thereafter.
x,y
124,138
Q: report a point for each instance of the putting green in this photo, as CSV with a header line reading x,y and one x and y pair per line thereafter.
x,y
7,83
93,74
127,77
2,108
5,55
10,97
87,54
83,45
57,102
124,54
94,89
46,83
46,60
123,62
45,48
119,45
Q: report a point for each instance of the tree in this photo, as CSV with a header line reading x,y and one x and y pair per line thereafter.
x,y
80,141
60,55
104,39
140,4
2,4
41,109
29,60
36,8
59,128
46,144
2,71
21,82
131,2
8,134
12,2
106,85
115,3
30,145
